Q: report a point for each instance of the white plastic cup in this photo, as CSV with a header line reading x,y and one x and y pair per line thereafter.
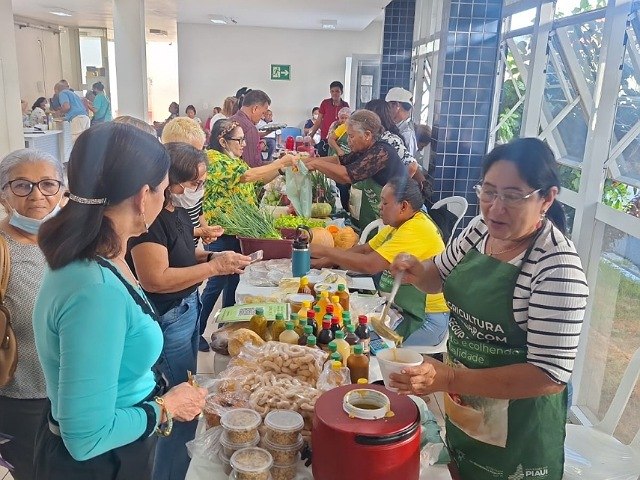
x,y
393,360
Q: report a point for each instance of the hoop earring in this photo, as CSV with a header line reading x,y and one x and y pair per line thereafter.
x,y
543,215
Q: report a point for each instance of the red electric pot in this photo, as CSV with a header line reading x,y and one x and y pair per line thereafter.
x,y
345,448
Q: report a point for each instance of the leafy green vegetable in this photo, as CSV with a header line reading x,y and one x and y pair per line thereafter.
x,y
292,221
247,220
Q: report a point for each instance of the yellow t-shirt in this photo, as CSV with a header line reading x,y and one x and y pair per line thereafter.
x,y
419,237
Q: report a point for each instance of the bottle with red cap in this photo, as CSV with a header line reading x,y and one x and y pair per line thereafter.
x,y
362,331
335,325
311,320
326,335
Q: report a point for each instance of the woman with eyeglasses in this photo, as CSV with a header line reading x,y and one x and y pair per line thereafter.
x,y
31,192
170,270
517,294
228,175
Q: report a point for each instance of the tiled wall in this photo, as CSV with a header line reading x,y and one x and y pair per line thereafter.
x,y
464,93
397,43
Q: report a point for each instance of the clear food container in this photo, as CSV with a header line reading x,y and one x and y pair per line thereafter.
x,y
229,448
226,464
284,472
251,464
283,427
284,455
241,425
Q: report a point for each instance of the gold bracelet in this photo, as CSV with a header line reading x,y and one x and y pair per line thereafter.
x,y
164,431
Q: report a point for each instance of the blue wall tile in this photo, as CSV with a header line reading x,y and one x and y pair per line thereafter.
x,y
464,93
397,45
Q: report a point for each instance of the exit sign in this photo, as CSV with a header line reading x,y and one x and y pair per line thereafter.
x,y
280,72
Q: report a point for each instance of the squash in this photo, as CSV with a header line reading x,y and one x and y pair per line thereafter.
x,y
321,236
345,238
333,229
320,210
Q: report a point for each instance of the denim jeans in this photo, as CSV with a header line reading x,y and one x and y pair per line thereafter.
x,y
179,354
432,332
226,284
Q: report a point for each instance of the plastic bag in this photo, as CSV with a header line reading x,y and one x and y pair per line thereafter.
x,y
302,363
220,338
299,189
206,445
330,378
364,304
217,404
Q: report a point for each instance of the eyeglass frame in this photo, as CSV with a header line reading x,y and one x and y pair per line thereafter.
x,y
240,140
514,202
33,184
199,185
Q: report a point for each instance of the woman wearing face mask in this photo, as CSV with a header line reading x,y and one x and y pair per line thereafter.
x,y
170,271
31,184
315,113
228,175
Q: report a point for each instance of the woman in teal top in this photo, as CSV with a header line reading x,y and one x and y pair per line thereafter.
x,y
101,107
96,333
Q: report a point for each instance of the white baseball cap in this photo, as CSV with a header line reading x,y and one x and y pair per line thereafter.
x,y
398,94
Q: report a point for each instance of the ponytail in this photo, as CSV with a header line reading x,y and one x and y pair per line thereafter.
x,y
110,161
557,216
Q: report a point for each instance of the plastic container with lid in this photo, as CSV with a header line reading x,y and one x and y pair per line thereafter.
x,y
229,447
241,425
283,427
251,464
226,465
284,472
283,454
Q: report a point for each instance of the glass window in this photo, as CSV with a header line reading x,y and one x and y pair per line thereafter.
x,y
613,337
564,8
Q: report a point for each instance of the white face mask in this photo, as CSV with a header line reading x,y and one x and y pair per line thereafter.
x,y
315,116
188,199
28,224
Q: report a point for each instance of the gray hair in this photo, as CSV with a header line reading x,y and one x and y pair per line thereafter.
x,y
366,121
24,156
344,111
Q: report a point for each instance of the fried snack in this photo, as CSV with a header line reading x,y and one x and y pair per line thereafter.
x,y
238,338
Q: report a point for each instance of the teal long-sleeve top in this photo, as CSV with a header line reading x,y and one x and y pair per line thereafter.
x,y
97,347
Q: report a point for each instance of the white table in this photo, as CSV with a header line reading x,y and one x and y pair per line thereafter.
x,y
245,288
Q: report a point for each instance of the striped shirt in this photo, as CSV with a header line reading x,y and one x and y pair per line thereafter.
x,y
194,215
549,299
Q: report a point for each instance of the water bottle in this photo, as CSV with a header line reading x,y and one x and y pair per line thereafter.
x,y
301,256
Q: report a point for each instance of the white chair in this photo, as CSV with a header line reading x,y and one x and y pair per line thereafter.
x,y
375,225
592,452
456,205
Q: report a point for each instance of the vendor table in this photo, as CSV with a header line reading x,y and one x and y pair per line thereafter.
x,y
204,469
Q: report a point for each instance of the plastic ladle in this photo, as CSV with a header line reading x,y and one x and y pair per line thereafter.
x,y
394,291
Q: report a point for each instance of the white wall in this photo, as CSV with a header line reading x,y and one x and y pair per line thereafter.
x,y
162,73
215,61
39,63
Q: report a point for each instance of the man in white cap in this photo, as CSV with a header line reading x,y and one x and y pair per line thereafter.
x,y
401,103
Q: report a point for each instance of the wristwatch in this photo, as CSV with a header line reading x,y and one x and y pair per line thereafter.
x,y
280,171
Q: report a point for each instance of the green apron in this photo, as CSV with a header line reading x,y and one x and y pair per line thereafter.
x,y
370,208
493,438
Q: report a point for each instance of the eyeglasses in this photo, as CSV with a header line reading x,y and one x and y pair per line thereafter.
x,y
240,140
193,188
508,199
23,188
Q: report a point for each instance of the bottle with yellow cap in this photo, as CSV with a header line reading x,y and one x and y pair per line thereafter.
x,y
337,308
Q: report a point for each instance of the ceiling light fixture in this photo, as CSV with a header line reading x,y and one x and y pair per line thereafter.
x,y
329,24
221,20
61,12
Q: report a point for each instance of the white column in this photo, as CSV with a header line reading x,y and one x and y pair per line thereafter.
x,y
11,137
131,57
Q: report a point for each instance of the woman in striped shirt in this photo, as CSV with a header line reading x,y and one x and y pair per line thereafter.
x,y
517,294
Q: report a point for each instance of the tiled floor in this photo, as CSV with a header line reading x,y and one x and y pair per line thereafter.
x,y
4,474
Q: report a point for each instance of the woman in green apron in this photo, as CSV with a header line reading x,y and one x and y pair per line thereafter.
x,y
517,293
424,317
369,165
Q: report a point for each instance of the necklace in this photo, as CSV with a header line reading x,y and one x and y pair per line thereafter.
x,y
517,245
123,262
